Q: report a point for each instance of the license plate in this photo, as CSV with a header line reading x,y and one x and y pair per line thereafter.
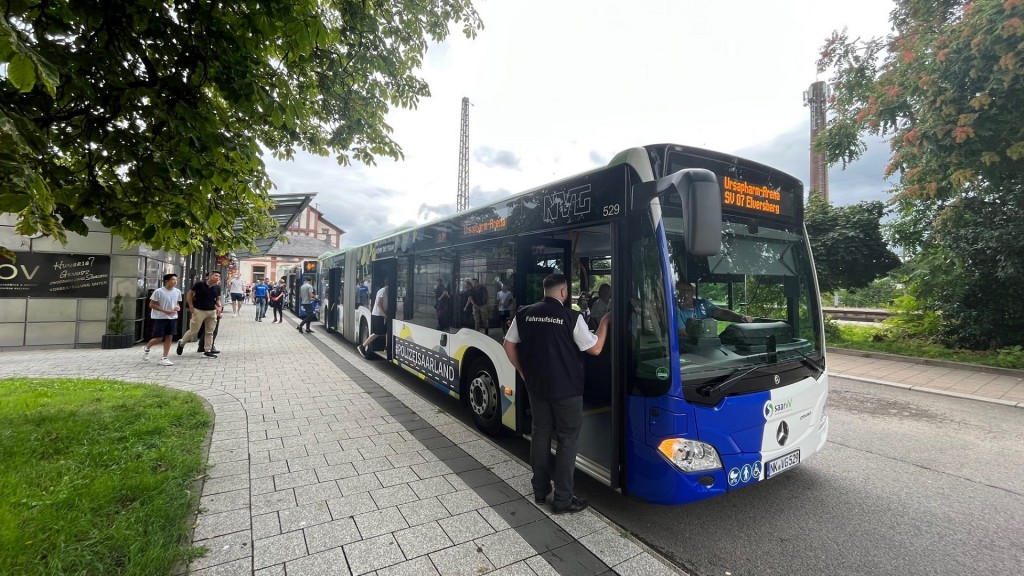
x,y
782,463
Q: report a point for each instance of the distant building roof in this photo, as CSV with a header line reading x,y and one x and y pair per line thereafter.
x,y
300,247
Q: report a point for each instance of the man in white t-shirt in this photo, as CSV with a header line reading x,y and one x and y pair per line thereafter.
x,y
378,318
164,305
237,290
603,304
506,305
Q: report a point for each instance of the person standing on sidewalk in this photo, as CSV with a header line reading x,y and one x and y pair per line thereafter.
x,y
544,344
378,319
236,288
277,294
306,298
165,303
204,305
259,293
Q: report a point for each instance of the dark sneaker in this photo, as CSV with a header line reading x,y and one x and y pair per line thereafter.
x,y
181,347
309,331
209,355
574,505
201,350
214,351
540,499
362,350
299,328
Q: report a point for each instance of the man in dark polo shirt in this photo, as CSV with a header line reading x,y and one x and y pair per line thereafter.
x,y
204,305
544,344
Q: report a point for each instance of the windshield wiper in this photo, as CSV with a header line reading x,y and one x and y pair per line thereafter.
x,y
770,358
807,359
709,391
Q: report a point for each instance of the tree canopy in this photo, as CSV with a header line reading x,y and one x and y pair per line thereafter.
x,y
847,243
946,87
152,116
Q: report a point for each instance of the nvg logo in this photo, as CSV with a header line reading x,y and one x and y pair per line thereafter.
x,y
772,408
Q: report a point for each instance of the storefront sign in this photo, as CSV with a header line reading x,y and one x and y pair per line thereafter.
x,y
36,275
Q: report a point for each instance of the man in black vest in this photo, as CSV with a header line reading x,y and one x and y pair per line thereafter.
x,y
544,344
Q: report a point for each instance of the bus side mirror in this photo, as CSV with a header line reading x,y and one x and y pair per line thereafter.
x,y
702,206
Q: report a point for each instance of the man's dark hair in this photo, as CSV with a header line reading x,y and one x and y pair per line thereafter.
x,y
553,280
212,272
168,277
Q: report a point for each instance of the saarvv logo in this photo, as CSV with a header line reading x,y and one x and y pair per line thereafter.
x,y
772,408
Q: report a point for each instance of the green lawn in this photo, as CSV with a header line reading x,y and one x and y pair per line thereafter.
x,y
879,339
95,476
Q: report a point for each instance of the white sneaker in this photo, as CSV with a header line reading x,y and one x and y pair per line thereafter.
x,y
166,362
145,354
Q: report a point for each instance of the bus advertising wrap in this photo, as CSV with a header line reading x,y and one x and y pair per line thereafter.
x,y
438,367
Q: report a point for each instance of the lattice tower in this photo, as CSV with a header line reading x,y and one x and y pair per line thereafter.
x,y
462,199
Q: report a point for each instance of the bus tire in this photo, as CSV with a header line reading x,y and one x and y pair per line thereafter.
x,y
363,333
483,398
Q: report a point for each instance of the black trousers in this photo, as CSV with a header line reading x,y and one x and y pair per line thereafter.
x,y
308,319
561,419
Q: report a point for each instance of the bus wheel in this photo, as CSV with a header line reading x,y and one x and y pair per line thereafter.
x,y
362,334
483,397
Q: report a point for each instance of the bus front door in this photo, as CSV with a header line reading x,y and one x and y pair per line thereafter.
x,y
333,315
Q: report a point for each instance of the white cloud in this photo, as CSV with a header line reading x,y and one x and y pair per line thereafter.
x,y
560,87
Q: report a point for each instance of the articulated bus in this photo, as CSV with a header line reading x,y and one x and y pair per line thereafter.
x,y
674,411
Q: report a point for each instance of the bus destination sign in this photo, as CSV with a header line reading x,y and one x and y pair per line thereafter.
x,y
755,199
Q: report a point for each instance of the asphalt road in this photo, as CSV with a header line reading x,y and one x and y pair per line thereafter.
x,y
909,483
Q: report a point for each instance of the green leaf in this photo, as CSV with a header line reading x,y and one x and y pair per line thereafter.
x,y
22,73
14,202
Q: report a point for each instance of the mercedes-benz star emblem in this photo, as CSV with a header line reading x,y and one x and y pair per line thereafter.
x,y
778,380
782,434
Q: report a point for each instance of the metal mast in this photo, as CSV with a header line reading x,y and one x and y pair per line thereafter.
x,y
462,200
814,98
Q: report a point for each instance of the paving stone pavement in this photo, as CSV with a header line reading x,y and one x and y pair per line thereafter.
x,y
321,464
999,386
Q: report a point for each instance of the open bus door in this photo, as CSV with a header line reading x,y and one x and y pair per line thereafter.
x,y
536,258
333,314
599,446
381,269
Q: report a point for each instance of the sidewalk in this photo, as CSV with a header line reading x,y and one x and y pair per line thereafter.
x,y
321,464
1005,387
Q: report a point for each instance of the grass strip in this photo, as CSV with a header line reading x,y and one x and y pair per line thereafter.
x,y
879,339
95,475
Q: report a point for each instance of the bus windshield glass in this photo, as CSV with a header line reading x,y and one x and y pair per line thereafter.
x,y
753,303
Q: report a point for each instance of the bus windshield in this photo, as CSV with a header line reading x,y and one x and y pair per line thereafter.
x,y
753,303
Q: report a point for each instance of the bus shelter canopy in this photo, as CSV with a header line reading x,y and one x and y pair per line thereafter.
x,y
285,211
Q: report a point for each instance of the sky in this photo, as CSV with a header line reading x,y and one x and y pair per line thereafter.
x,y
559,87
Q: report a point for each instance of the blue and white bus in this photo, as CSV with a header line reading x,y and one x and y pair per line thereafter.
x,y
674,411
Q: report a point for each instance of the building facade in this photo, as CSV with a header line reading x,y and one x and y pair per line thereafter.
x,y
309,236
61,296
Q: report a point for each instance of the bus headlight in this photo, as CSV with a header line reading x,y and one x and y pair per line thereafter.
x,y
690,455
